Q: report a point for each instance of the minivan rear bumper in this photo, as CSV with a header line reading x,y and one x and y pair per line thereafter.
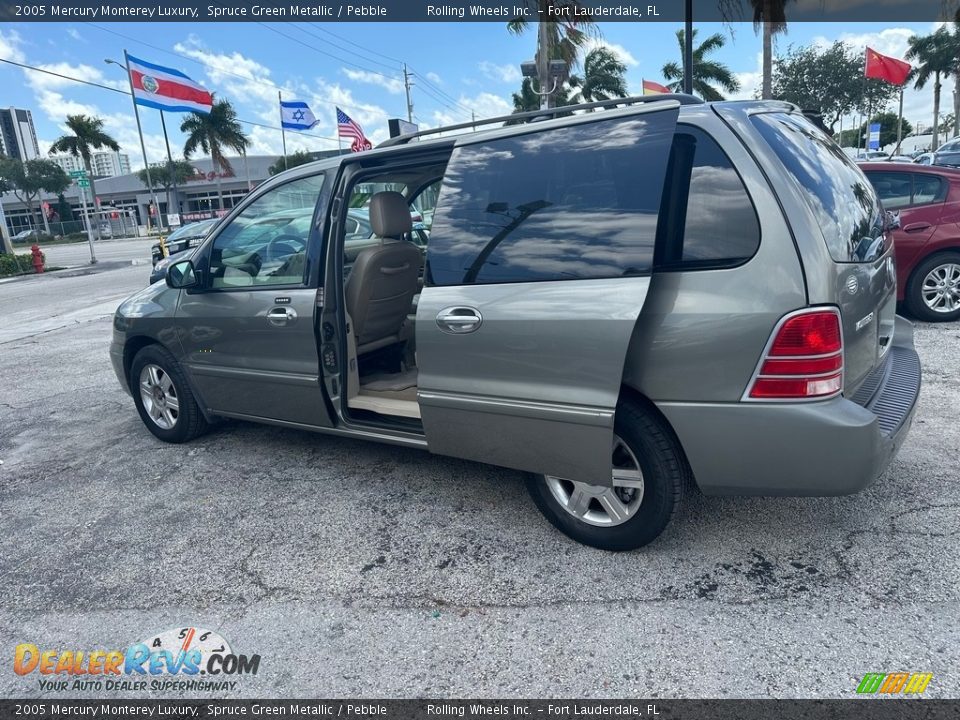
x,y
834,447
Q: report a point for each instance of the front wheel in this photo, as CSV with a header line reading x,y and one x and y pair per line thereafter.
x,y
163,398
648,475
933,293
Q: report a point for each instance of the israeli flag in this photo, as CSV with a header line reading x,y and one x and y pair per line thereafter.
x,y
296,115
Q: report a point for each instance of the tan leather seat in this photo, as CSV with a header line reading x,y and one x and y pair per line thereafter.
x,y
384,278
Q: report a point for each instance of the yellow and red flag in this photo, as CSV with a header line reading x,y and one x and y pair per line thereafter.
x,y
652,88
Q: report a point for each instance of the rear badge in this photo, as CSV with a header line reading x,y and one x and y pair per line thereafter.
x,y
853,285
863,322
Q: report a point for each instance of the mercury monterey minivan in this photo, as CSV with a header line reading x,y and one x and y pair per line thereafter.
x,y
644,295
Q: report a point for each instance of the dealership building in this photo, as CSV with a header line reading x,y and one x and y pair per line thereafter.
x,y
125,196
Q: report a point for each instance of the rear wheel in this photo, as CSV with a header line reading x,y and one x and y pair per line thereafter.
x,y
163,398
933,293
648,474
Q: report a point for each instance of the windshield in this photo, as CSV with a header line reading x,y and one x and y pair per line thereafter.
x,y
196,229
842,199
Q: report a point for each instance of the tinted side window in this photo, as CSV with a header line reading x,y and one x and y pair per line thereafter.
x,y
572,203
928,189
842,200
721,225
893,188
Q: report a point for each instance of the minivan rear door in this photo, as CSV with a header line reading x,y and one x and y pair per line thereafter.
x,y
538,266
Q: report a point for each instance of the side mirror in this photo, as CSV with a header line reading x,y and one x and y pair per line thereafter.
x,y
891,220
181,275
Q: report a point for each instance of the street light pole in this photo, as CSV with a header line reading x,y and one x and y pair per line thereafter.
x,y
688,47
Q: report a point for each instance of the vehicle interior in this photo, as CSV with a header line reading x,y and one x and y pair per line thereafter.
x,y
382,271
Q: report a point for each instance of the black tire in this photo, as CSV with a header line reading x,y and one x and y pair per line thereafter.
x,y
188,421
914,296
666,476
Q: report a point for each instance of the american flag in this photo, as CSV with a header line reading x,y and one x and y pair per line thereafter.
x,y
349,129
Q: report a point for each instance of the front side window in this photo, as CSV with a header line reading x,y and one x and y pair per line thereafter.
x,y
266,243
570,203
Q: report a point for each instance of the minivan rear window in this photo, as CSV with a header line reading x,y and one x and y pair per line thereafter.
x,y
841,197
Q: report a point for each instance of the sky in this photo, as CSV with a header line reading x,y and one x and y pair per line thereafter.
x,y
457,69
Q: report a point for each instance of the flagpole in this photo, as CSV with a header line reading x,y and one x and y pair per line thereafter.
x,y
143,146
863,100
896,150
283,133
173,173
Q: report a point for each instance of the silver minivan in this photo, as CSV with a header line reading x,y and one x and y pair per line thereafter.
x,y
645,295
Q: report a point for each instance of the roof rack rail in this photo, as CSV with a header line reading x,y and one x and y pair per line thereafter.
x,y
682,98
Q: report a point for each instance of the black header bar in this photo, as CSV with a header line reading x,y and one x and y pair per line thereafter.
x,y
671,11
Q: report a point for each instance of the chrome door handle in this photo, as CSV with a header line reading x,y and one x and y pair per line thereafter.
x,y
459,320
280,316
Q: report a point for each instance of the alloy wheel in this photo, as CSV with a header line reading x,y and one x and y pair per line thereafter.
x,y
600,505
159,396
941,288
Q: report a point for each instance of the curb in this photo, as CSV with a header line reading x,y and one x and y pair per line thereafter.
x,y
102,266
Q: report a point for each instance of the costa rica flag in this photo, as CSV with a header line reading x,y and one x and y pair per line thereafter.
x,y
164,88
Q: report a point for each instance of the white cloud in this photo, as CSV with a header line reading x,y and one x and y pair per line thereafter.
x,y
434,78
485,105
619,51
72,32
42,81
391,85
750,81
10,42
500,73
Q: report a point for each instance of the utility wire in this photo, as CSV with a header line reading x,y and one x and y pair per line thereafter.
x,y
437,89
330,55
127,93
369,50
391,66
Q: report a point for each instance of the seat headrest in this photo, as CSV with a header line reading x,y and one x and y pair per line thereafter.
x,y
389,215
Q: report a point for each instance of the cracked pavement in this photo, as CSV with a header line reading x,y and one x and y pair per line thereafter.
x,y
357,569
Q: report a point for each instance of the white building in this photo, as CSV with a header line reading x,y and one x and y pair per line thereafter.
x,y
104,164
110,164
18,137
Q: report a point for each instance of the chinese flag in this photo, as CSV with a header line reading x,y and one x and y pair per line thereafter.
x,y
886,68
652,88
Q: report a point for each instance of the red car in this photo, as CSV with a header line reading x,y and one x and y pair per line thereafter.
x,y
928,240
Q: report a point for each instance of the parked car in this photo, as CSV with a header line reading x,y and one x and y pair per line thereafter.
x,y
25,236
949,158
871,155
901,158
924,159
928,239
617,303
184,237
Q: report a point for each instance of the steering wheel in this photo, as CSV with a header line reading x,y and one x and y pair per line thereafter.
x,y
282,246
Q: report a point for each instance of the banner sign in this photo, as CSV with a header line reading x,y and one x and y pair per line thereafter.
x,y
874,139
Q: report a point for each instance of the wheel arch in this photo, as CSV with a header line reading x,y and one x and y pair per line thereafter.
x,y
912,277
636,397
134,345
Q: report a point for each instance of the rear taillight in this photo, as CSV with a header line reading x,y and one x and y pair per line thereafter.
x,y
804,359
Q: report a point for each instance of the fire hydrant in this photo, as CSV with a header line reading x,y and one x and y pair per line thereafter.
x,y
37,259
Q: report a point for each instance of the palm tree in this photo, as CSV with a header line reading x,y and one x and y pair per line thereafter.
x,y
770,17
706,73
603,77
555,40
933,56
213,133
88,135
528,99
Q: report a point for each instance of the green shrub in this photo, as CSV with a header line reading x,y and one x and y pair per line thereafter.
x,y
17,264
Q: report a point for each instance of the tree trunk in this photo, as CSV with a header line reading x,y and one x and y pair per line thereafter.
x,y
956,108
93,197
219,188
543,63
767,90
936,111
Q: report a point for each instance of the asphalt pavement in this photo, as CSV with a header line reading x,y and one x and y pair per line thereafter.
x,y
78,254
355,569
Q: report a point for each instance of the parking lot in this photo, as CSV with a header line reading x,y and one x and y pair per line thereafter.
x,y
364,570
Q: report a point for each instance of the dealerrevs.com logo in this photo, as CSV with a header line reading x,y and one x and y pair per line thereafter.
x,y
187,658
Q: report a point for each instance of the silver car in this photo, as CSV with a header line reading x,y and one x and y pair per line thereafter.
x,y
622,304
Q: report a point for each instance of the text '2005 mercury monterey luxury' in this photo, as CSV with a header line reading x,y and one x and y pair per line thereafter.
x,y
619,303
